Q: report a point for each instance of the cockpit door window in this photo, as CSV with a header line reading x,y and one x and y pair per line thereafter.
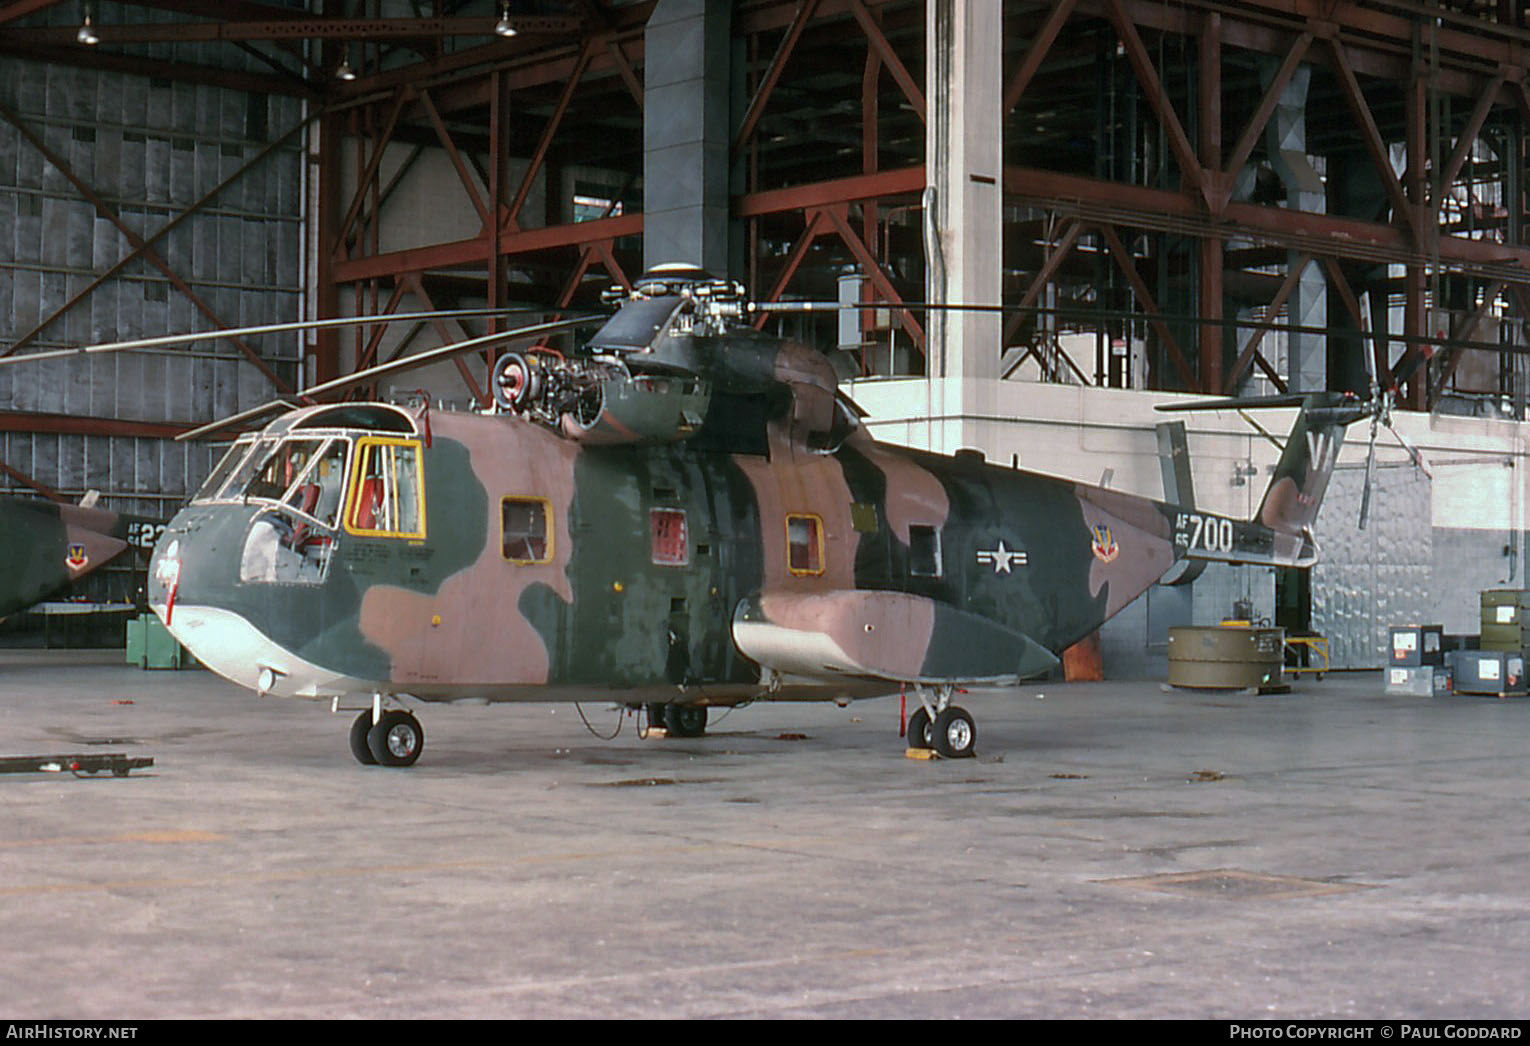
x,y
387,492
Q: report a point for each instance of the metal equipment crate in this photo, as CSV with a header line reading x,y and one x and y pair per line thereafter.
x,y
1414,645
1495,673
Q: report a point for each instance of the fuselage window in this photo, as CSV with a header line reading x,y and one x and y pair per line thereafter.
x,y
527,530
924,551
804,544
387,494
670,540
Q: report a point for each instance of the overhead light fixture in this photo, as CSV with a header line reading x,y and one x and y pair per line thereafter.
x,y
345,72
87,34
503,26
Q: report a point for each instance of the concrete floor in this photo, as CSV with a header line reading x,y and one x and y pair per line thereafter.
x,y
1333,852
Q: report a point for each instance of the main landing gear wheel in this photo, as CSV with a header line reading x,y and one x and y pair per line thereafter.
x,y
359,748
918,730
396,740
685,720
953,733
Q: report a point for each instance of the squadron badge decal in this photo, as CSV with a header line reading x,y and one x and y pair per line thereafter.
x,y
75,557
1104,546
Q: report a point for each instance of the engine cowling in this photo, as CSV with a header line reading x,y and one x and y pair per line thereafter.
x,y
639,409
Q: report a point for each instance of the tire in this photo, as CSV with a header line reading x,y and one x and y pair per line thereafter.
x,y
685,720
359,748
396,740
953,734
918,730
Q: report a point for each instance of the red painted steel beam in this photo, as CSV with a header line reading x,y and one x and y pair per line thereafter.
x,y
1040,45
839,218
444,136
301,28
767,84
27,481
21,8
77,425
1157,96
1381,160
902,181
1464,143
1251,350
1381,44
1128,267
539,155
364,182
470,253
1320,233
810,231
1261,118
895,66
521,69
94,58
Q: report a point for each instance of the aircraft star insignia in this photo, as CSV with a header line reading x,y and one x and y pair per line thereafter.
x,y
1002,558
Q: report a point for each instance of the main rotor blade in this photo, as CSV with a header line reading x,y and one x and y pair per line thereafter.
x,y
163,340
407,363
1287,399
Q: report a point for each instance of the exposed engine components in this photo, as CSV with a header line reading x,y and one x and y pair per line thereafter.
x,y
599,399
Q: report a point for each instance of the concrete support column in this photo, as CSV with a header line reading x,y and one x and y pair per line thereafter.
x,y
963,173
686,127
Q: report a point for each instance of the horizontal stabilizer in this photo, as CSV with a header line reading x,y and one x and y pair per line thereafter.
x,y
86,549
881,635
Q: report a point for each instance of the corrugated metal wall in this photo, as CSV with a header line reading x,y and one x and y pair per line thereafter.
x,y
150,149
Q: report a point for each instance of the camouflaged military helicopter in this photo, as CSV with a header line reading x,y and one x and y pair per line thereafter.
x,y
682,514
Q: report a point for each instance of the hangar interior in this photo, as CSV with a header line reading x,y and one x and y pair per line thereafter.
x,y
1203,198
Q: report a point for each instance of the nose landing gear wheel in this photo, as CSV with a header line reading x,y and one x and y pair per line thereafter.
x,y
396,740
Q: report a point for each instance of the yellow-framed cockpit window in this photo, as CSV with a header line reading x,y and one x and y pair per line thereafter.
x,y
804,544
526,530
387,490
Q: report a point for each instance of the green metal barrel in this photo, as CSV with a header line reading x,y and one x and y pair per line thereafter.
x,y
1226,657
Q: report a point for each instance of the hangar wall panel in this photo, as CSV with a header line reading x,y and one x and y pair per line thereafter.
x,y
151,150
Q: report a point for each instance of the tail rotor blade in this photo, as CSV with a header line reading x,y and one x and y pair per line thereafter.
x,y
1370,476
1413,452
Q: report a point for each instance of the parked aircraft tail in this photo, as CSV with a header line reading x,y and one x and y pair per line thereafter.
x,y
1280,533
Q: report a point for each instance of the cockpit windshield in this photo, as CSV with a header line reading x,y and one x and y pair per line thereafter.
x,y
243,461
304,473
232,459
